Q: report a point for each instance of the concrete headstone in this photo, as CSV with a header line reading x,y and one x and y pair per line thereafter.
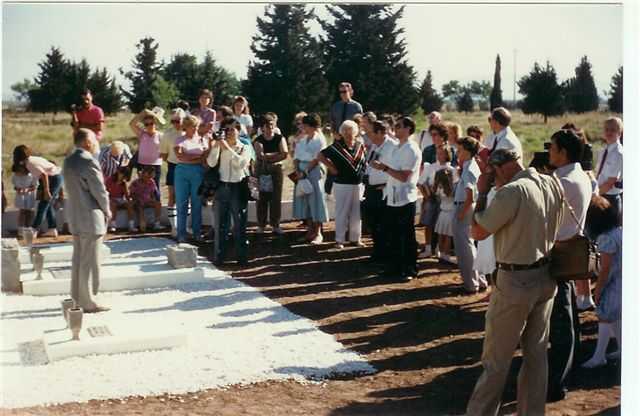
x,y
11,265
182,256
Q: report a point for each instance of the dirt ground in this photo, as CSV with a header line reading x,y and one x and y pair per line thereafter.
x,y
424,337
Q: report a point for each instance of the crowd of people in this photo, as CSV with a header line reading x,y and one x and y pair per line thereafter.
x,y
481,209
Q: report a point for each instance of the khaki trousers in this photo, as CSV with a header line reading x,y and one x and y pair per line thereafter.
x,y
85,263
519,311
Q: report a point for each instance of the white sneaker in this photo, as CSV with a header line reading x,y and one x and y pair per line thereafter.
x,y
318,240
51,232
593,363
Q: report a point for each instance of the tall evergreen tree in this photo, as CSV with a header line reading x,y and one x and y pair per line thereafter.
x,y
105,91
581,94
146,69
52,86
496,93
224,84
464,101
77,79
164,93
541,91
431,100
364,46
286,75
615,101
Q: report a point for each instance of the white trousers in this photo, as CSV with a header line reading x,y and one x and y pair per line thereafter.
x,y
347,211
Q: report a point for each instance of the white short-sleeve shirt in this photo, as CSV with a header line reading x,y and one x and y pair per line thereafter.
x,y
382,154
577,194
612,166
405,156
307,150
506,139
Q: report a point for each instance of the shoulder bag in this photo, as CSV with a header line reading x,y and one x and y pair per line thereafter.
x,y
576,258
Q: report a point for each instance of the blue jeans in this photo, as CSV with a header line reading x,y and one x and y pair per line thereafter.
x,y
187,180
46,207
229,204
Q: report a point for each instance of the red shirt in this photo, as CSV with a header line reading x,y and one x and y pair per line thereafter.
x,y
91,115
116,189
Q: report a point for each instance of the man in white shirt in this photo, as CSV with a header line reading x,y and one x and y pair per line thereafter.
x,y
401,192
565,154
425,139
609,166
502,136
382,147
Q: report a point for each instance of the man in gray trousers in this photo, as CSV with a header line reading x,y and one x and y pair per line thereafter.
x,y
87,211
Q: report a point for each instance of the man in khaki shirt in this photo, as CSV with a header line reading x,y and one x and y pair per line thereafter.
x,y
524,218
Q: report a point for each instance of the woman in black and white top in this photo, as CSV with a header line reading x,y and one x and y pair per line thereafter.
x,y
346,160
233,158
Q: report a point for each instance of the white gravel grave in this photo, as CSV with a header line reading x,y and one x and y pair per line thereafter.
x,y
235,335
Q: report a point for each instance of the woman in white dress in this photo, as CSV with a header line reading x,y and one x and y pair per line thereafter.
x,y
443,184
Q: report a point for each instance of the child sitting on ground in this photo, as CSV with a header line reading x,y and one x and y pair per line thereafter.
x,y
25,186
144,195
443,184
119,197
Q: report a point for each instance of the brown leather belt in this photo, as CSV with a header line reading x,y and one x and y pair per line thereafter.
x,y
519,267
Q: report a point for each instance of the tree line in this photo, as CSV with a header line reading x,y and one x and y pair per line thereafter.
x,y
292,70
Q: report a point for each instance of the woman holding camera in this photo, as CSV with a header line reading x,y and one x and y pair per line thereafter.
x,y
233,158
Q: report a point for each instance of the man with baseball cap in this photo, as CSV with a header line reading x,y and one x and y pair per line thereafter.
x,y
524,218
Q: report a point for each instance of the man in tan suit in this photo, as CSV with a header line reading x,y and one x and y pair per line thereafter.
x,y
87,211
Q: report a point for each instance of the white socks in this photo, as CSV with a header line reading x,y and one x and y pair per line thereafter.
x,y
171,214
605,331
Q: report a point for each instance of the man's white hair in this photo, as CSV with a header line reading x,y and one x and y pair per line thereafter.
x,y
349,125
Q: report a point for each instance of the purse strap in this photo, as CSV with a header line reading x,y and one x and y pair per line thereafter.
x,y
565,203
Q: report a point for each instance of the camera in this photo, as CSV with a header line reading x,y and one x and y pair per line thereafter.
x,y
540,161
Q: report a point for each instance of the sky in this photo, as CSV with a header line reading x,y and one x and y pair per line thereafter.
x,y
454,41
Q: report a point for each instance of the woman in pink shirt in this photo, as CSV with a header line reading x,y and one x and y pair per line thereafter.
x,y
50,180
148,143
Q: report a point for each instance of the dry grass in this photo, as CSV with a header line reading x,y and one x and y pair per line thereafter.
x,y
50,135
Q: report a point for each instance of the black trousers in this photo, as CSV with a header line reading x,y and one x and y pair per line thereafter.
x,y
374,209
564,336
403,251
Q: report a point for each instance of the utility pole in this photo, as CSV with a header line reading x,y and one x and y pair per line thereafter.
x,y
515,54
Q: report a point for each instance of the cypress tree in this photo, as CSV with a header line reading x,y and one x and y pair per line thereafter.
x,y
581,94
286,74
431,100
541,91
146,69
364,46
615,101
496,93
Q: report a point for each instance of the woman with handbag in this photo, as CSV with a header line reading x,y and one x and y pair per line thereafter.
x,y
190,150
309,204
346,160
232,158
271,150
